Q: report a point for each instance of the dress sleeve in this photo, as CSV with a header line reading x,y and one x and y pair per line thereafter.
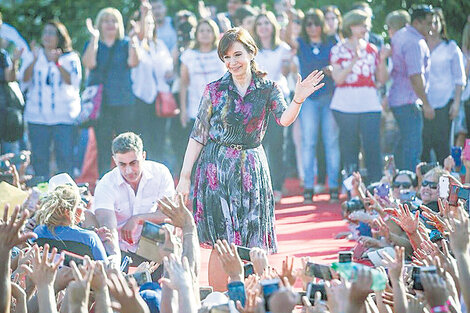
x,y
200,131
277,103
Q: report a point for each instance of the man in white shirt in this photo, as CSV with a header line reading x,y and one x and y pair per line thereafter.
x,y
128,195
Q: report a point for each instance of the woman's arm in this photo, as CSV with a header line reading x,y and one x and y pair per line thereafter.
x,y
381,72
303,89
292,42
89,57
184,83
66,77
134,52
192,153
339,74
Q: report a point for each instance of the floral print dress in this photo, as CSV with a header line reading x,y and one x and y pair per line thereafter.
x,y
233,197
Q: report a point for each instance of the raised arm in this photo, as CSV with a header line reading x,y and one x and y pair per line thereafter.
x,y
89,57
108,218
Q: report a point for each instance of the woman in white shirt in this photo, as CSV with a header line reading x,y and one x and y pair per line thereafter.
x,y
200,65
148,79
52,77
274,57
446,81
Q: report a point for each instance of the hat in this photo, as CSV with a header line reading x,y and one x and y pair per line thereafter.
x,y
61,179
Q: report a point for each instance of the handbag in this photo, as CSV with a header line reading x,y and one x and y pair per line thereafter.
x,y
165,105
92,98
13,129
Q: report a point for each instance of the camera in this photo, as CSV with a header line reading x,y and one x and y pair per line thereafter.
x,y
456,193
318,271
345,256
269,287
354,205
244,253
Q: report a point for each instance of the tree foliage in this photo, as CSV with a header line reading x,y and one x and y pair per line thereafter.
x,y
28,16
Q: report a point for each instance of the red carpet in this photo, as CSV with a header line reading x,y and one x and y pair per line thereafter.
x,y
302,230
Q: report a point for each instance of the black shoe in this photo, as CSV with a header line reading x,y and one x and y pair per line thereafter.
x,y
308,195
334,196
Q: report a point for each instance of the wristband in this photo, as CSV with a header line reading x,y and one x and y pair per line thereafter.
x,y
299,103
440,309
57,64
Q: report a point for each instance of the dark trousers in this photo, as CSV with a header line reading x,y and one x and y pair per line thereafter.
x,y
41,138
436,135
151,129
273,143
357,127
112,122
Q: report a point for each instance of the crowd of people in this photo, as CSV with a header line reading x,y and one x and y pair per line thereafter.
x,y
382,124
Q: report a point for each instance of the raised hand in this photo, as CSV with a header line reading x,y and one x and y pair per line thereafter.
x,y
126,294
79,288
304,88
435,290
95,33
252,303
10,229
259,258
459,233
179,272
43,269
395,266
230,260
177,212
407,221
287,270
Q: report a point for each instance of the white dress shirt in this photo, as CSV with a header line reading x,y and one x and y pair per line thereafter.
x,y
113,193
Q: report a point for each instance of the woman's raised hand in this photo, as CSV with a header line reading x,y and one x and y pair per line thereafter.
x,y
91,29
304,88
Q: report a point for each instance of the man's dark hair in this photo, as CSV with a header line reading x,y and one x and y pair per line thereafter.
x,y
420,11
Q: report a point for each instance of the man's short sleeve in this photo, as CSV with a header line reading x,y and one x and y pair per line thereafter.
x,y
104,197
414,58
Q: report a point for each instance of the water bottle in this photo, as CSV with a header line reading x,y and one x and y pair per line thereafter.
x,y
379,280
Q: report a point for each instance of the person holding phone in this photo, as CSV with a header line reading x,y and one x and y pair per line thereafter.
x,y
233,197
57,219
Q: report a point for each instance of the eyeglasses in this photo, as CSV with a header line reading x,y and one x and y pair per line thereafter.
x,y
429,184
310,24
398,184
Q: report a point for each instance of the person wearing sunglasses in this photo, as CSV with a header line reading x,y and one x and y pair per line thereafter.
x,y
429,189
403,182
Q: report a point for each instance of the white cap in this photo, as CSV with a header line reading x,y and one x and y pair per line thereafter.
x,y
61,179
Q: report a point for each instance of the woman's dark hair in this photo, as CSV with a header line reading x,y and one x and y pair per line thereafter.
x,y
316,16
411,175
242,36
275,37
64,42
242,12
440,14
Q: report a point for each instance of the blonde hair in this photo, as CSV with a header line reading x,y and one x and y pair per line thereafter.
x,y
397,19
352,18
114,13
59,207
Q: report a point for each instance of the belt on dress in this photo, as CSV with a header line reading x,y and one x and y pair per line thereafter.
x,y
237,147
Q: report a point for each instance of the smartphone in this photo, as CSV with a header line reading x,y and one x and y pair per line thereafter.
x,y
348,183
248,269
4,166
456,153
312,289
244,253
236,292
221,308
466,150
299,298
444,187
318,270
70,256
269,287
153,232
427,167
18,158
8,178
35,180
205,291
407,195
140,277
416,278
345,256
382,190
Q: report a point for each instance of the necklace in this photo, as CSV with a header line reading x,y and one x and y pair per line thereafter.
x,y
315,47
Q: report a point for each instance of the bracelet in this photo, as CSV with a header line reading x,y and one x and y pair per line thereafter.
x,y
185,234
440,309
299,103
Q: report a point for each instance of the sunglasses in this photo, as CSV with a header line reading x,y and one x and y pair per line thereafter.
x,y
429,184
401,184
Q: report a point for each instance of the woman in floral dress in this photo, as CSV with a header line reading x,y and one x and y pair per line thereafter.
x,y
233,198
